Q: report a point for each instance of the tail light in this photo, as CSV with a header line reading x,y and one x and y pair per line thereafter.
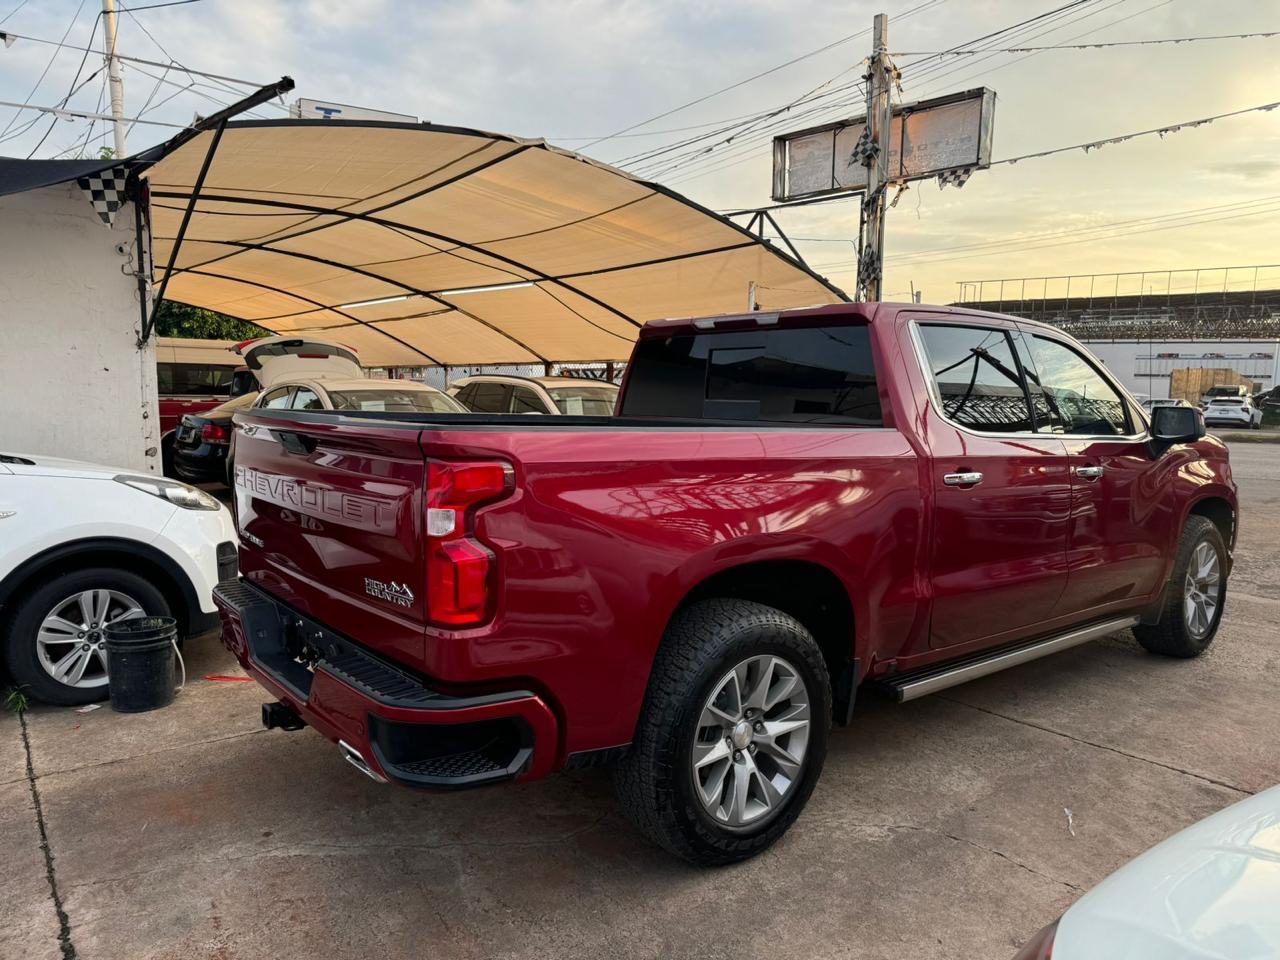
x,y
213,433
461,570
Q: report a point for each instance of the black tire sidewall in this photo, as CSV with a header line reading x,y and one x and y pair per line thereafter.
x,y
1211,535
22,626
760,630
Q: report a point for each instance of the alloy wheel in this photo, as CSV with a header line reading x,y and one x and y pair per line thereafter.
x,y
70,644
752,739
1202,590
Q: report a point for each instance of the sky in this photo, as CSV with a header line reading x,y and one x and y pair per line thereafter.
x,y
576,71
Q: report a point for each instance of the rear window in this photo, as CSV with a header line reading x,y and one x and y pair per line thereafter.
x,y
193,379
395,401
799,375
591,401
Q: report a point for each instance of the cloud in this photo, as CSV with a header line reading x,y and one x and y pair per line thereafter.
x,y
1257,168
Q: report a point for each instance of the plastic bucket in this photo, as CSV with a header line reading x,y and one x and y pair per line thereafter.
x,y
140,663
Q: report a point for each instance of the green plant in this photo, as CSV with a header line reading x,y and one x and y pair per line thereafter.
x,y
16,700
180,320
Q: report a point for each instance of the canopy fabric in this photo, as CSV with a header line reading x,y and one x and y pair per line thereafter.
x,y
300,224
18,176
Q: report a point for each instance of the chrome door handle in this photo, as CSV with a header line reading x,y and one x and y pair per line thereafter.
x,y
962,479
1089,473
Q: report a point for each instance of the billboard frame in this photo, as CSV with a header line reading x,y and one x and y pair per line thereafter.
x,y
982,160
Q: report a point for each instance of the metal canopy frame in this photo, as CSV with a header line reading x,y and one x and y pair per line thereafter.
x,y
218,123
435,242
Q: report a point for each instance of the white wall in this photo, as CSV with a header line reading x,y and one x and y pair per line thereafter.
x,y
1138,364
73,382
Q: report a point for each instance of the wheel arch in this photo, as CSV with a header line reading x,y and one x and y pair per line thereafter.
x,y
1218,510
162,571
806,590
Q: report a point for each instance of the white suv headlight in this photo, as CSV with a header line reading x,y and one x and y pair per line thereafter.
x,y
179,494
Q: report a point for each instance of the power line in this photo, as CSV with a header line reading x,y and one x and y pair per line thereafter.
x,y
4,35
174,61
749,147
45,72
157,6
73,89
744,129
1162,131
753,77
1034,240
22,4
1151,225
1009,63
1086,147
1083,46
86,115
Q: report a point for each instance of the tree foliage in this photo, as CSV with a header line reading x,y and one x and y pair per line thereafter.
x,y
181,320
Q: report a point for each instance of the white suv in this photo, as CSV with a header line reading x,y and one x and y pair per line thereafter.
x,y
83,546
1232,412
504,393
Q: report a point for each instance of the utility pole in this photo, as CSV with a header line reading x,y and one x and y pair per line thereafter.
x,y
113,73
876,156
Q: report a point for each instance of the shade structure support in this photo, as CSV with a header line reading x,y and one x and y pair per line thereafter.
x,y
149,323
305,223
218,123
314,303
381,279
760,219
391,224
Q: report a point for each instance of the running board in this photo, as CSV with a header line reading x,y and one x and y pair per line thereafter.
x,y
921,683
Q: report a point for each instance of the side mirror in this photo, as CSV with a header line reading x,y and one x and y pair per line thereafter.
x,y
1171,425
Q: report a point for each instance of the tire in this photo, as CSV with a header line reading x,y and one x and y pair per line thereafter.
x,y
655,780
1174,635
166,455
21,629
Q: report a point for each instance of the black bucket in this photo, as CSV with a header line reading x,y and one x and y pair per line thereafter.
x,y
140,663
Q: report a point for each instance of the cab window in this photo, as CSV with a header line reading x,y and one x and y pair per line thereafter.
x,y
976,377
1076,397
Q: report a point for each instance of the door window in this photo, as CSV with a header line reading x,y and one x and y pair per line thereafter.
x,y
193,379
489,398
464,395
977,378
525,400
276,399
306,399
1075,397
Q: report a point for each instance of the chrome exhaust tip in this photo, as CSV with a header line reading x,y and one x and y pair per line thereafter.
x,y
357,760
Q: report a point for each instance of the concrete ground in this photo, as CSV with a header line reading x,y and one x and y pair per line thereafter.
x,y
953,826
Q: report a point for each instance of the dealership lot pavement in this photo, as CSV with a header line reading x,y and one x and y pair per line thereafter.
x,y
939,829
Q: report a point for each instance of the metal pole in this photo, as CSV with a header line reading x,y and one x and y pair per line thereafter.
x,y
113,73
879,121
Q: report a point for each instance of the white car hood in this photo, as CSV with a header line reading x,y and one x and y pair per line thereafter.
x,y
1211,892
42,466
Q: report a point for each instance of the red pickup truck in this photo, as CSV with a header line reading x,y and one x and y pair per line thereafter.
x,y
784,507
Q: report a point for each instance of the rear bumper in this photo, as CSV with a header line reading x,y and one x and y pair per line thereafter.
x,y
206,463
402,729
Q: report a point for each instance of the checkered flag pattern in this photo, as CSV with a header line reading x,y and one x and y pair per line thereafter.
x,y
105,190
957,177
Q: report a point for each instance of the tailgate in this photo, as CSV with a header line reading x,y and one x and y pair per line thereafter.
x,y
331,518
